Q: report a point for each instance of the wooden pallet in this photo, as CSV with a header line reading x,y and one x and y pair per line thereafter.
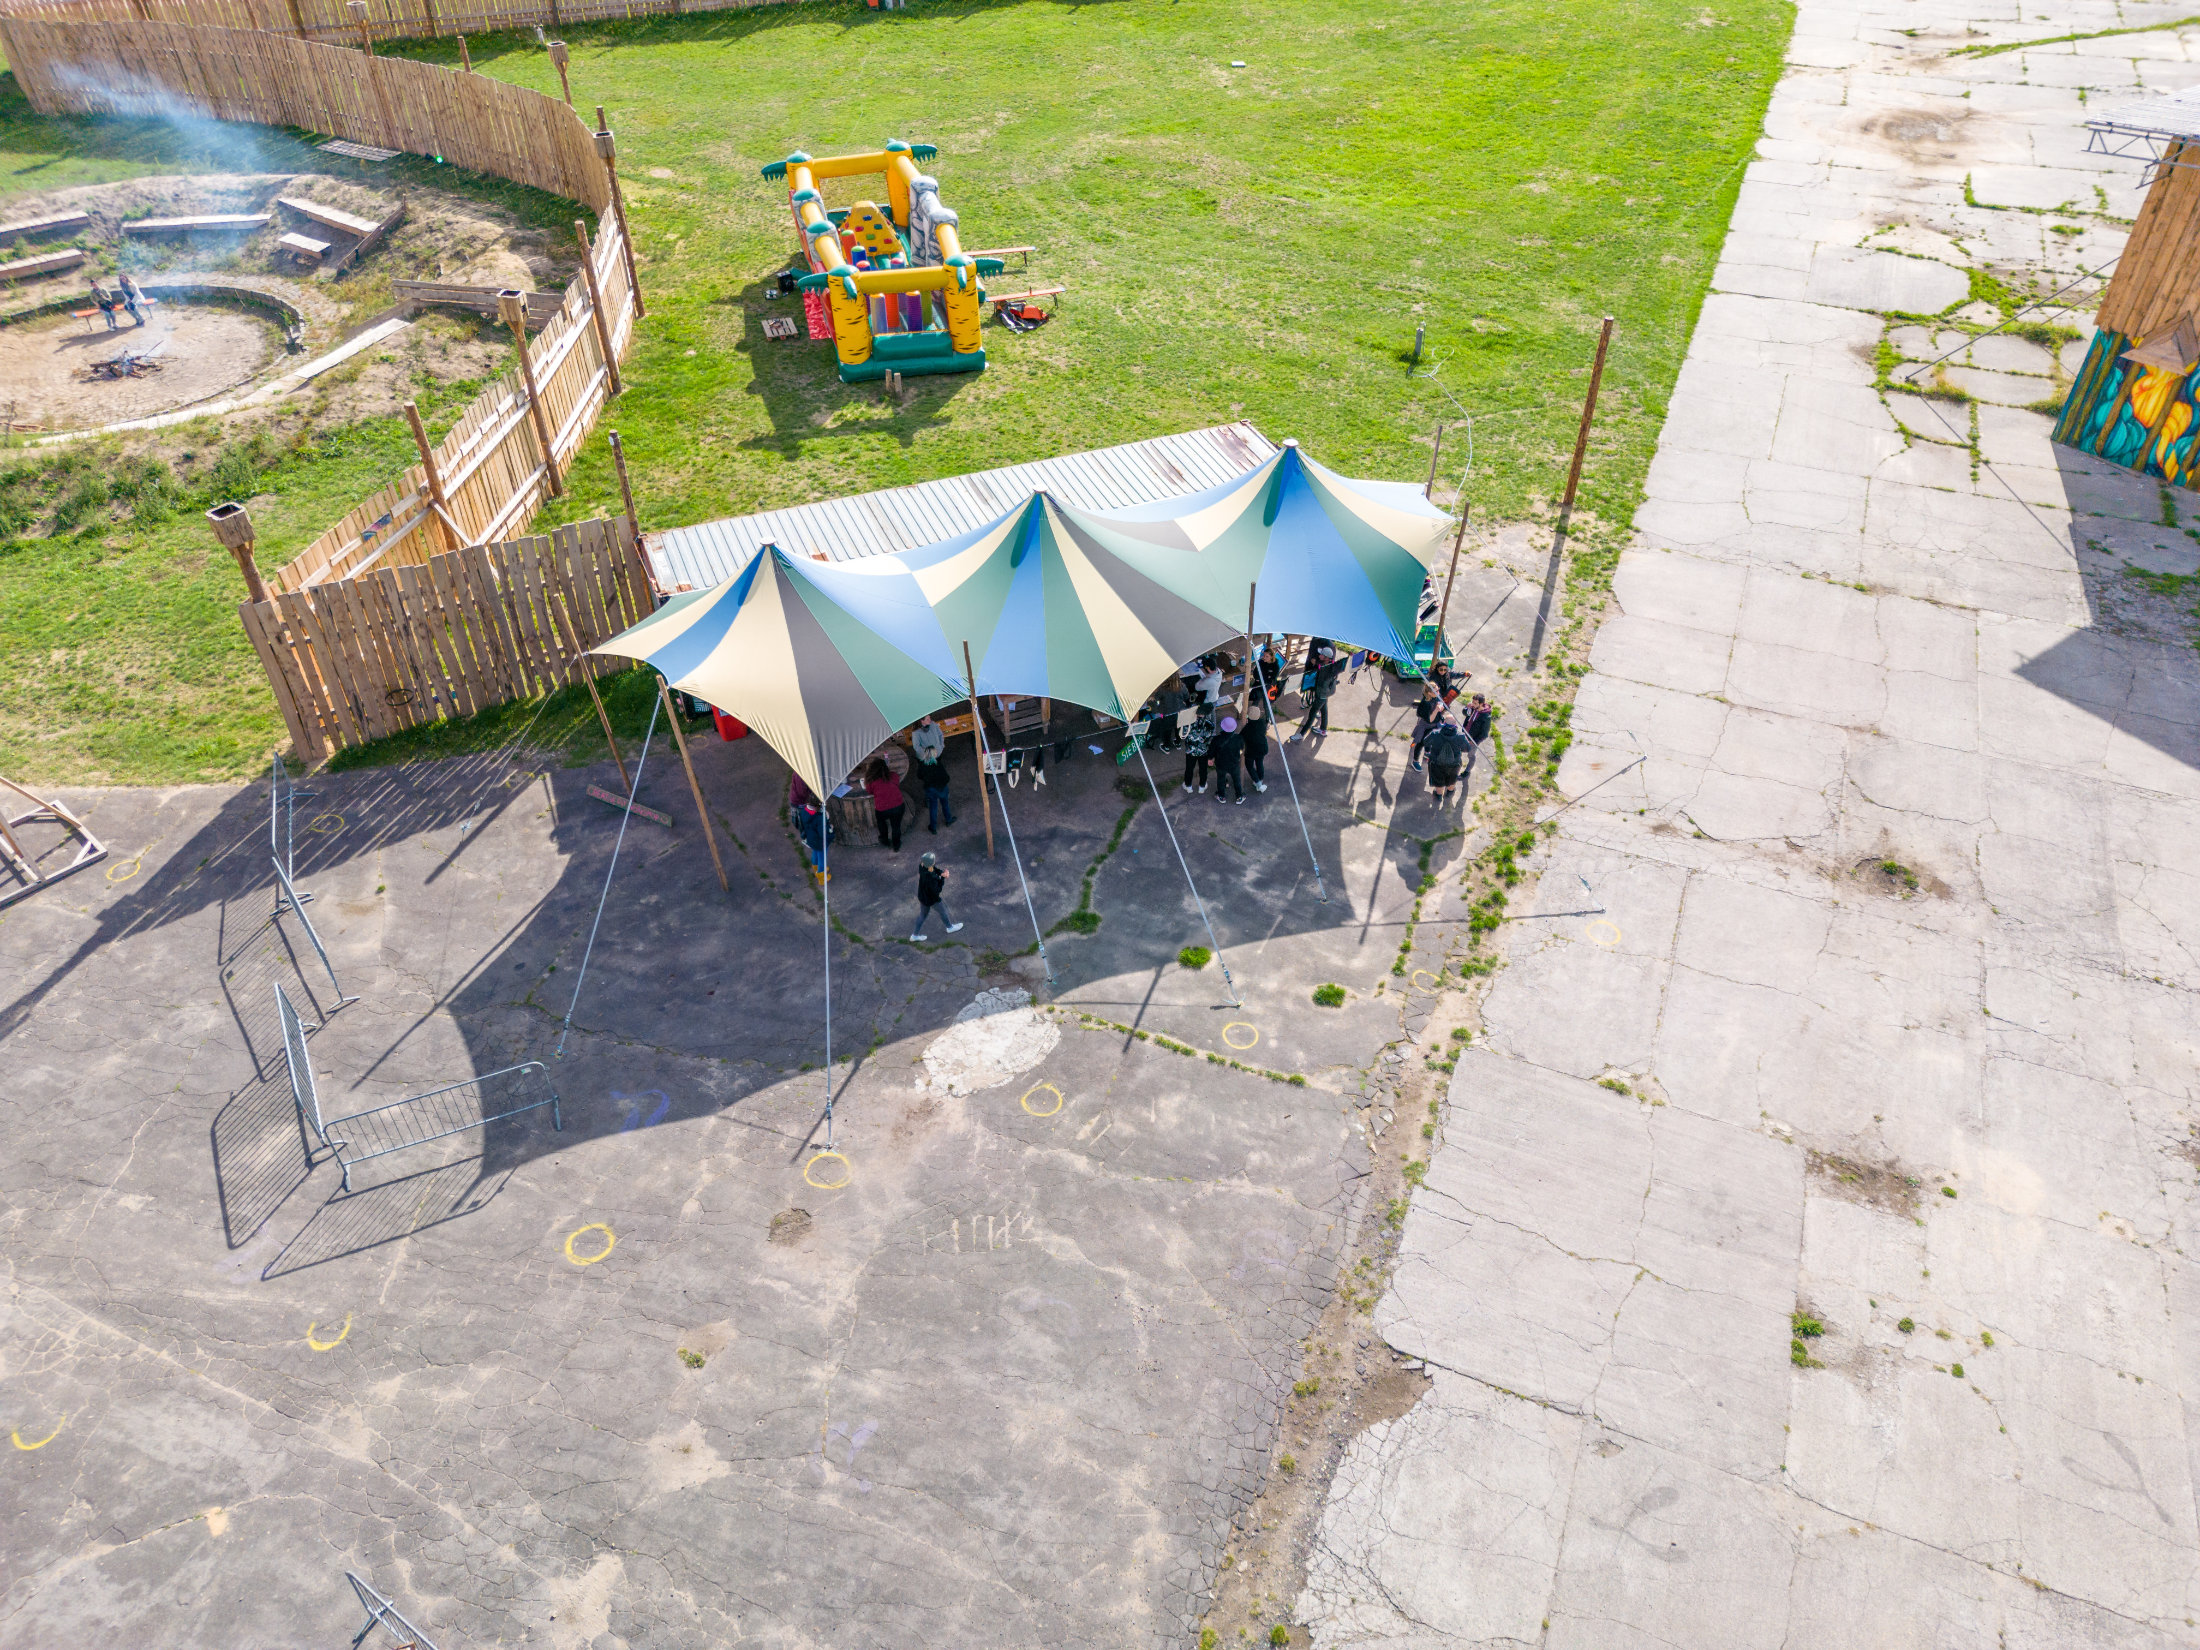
x,y
20,865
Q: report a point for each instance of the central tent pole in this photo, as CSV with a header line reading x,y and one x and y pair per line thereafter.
x,y
1235,1000
977,726
1010,826
1450,579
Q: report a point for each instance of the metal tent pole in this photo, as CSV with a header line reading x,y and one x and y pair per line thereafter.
x,y
825,887
609,872
1010,827
1268,699
1235,1000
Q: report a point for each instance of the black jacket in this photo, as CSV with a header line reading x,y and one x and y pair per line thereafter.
x,y
932,775
931,883
1478,726
1226,749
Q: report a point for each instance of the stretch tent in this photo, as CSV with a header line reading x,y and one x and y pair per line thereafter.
x,y
1288,547
823,687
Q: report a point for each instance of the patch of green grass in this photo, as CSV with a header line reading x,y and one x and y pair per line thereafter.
x,y
1329,996
1255,243
1194,957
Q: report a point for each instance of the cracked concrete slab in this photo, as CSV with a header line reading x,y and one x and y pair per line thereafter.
x,y
1830,1203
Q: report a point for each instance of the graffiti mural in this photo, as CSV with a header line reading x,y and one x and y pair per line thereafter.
x,y
2144,418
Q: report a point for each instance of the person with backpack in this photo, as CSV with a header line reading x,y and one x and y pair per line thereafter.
x,y
931,896
1228,746
1199,736
1447,748
1255,733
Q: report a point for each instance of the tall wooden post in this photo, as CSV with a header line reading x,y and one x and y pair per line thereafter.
x,y
358,10
512,309
465,58
1443,608
702,812
1436,451
608,148
1588,415
1252,653
558,55
233,526
445,527
626,490
595,306
977,734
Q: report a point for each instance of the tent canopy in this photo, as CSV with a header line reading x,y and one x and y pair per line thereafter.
x,y
827,660
772,646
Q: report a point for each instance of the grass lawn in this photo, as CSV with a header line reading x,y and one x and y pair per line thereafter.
x,y
1255,243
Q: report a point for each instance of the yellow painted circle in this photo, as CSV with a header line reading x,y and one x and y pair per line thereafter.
x,y
1604,931
610,1242
16,1438
124,871
325,824
809,1172
1059,1100
328,1346
1241,1025
1420,974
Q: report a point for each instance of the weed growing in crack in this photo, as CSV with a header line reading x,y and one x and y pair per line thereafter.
x,y
694,1360
1906,1325
1329,996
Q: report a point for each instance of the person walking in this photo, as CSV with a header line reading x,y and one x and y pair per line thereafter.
x,y
1317,697
1447,748
886,802
931,896
1255,733
132,297
1198,738
1228,746
928,743
932,775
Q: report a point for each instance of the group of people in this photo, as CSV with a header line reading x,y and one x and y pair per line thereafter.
x,y
1224,737
126,296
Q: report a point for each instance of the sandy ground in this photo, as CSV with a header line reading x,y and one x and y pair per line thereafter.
x,y
45,365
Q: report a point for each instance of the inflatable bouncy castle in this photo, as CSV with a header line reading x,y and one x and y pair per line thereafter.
x,y
900,293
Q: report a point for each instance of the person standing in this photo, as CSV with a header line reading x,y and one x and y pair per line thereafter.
x,y
1317,697
815,830
1271,670
1446,747
1425,711
1198,738
931,896
1255,733
1478,719
886,802
932,775
132,298
1228,746
928,743
1210,682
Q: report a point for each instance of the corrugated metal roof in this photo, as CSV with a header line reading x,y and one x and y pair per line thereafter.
x,y
903,518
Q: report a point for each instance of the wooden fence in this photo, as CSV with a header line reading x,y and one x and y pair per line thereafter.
x,y
357,659
167,69
386,19
490,466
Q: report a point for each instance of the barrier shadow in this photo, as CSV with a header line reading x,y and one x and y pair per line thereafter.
x,y
371,1216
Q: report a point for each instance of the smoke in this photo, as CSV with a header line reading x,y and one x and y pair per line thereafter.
x,y
193,137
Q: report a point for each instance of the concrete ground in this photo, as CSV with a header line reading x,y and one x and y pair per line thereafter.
x,y
1889,1025
657,1377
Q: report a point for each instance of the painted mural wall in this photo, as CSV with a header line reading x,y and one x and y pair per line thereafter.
x,y
2144,418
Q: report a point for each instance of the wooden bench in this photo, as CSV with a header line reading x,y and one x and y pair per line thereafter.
x,y
219,223
344,223
303,249
481,300
45,226
44,264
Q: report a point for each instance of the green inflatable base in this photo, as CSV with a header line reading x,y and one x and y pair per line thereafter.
x,y
914,366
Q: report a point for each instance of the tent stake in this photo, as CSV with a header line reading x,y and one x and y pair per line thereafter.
x,y
977,732
1235,1000
702,813
604,898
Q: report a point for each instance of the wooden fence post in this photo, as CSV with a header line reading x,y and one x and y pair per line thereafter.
x,y
608,148
595,308
233,526
558,56
446,529
465,59
512,307
626,488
